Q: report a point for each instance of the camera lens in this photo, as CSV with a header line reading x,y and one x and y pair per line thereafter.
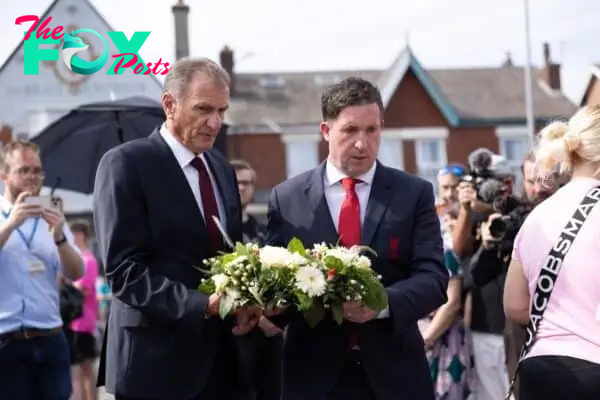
x,y
498,228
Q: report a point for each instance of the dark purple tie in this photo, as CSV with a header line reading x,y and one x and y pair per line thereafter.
x,y
209,203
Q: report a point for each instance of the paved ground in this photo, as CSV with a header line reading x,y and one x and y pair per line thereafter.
x,y
104,395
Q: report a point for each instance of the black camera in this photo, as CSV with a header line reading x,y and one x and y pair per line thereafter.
x,y
496,193
480,161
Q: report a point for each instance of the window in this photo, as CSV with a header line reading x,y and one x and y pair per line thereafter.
x,y
301,153
431,157
514,149
391,152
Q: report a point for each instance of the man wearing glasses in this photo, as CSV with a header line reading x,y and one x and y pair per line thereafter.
x,y
448,179
36,248
258,353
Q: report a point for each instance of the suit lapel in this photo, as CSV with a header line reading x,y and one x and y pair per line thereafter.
x,y
318,207
178,183
378,202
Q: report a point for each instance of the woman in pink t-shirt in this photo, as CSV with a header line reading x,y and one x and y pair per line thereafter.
x,y
564,361
83,330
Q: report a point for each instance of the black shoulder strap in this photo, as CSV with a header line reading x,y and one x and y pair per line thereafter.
x,y
549,273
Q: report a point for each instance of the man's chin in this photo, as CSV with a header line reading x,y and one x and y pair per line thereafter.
x,y
357,166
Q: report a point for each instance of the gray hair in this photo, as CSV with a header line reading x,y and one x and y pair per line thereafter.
x,y
184,70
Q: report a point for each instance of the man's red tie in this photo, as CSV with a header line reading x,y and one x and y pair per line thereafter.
x,y
209,203
349,229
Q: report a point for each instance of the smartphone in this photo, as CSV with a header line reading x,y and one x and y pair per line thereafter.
x,y
43,201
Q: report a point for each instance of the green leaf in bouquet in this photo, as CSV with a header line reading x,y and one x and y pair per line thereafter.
x,y
337,312
333,262
227,258
314,315
376,296
207,286
303,301
226,304
241,249
255,292
367,249
296,246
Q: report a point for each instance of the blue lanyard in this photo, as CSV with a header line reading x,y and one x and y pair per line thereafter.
x,y
28,241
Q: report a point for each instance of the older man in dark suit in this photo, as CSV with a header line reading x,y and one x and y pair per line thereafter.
x,y
354,198
154,203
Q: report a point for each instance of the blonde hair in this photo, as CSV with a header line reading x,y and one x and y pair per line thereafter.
x,y
572,143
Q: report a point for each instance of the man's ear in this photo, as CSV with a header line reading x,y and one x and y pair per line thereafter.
x,y
168,103
325,128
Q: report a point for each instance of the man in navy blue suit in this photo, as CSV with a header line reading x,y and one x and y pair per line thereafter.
x,y
355,199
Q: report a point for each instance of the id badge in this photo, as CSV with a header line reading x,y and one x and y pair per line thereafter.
x,y
36,266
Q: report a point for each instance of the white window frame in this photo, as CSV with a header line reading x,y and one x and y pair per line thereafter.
x,y
391,149
311,159
418,135
506,133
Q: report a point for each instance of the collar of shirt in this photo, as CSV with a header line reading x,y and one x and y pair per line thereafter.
x,y
183,155
5,205
333,175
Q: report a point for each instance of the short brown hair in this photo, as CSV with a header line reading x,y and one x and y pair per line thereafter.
x,y
81,226
350,92
242,165
239,165
181,74
16,145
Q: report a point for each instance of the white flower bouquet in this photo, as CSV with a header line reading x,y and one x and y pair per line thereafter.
x,y
332,276
251,276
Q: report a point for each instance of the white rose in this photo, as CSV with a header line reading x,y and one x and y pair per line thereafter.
x,y
363,262
346,256
271,256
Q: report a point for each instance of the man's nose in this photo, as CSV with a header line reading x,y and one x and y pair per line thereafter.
x,y
215,121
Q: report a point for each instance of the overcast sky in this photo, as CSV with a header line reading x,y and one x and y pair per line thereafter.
x,y
292,35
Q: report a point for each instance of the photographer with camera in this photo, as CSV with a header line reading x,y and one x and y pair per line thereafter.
x,y
489,217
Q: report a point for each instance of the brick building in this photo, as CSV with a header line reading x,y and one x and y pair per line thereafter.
x,y
591,96
432,116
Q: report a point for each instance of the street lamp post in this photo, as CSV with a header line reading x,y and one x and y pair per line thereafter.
x,y
528,80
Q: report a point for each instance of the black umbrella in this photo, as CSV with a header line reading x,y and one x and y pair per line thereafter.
x,y
72,146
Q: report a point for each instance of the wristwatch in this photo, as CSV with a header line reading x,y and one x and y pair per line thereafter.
x,y
61,241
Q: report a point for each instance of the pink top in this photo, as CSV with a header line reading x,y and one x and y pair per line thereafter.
x,y
88,321
571,323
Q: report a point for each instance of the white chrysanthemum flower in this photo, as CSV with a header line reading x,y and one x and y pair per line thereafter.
x,y
221,281
311,280
363,262
271,256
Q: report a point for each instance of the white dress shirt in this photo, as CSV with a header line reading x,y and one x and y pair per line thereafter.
x,y
335,192
184,157
335,195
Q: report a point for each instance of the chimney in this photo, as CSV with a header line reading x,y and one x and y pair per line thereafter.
x,y
5,134
550,72
180,15
226,58
508,62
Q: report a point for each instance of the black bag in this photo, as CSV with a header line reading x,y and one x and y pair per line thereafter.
x,y
548,276
71,303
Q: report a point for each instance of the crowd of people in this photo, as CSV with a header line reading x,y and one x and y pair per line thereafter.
x,y
475,282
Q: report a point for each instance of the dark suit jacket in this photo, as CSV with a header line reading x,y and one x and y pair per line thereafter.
x,y
151,235
402,227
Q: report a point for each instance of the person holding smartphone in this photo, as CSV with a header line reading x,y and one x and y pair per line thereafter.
x,y
34,357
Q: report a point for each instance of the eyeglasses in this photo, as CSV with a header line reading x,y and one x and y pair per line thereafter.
x,y
37,171
453,169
